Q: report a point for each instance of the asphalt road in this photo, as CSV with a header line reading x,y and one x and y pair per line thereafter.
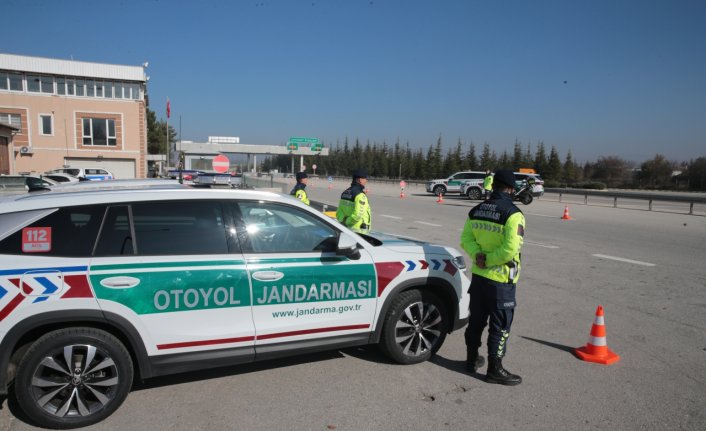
x,y
646,269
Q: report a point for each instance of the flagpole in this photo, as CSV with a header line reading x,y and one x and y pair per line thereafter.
x,y
168,107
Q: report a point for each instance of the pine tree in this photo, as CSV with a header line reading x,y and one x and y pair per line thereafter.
x,y
540,159
486,158
471,161
517,157
568,173
553,170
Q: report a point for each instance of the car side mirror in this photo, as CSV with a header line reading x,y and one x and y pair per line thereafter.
x,y
347,246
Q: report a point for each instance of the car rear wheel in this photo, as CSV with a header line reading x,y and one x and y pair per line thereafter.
x,y
73,377
473,193
526,198
415,327
439,190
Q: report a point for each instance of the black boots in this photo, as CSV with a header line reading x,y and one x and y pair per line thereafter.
x,y
497,374
474,360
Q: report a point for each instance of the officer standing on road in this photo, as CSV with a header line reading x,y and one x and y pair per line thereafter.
x,y
353,208
299,190
493,236
488,184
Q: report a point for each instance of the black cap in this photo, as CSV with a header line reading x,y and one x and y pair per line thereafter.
x,y
505,177
360,173
301,175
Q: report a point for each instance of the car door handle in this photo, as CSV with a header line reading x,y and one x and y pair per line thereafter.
x,y
122,282
267,275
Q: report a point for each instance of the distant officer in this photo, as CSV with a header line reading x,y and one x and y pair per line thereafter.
x,y
353,208
492,237
488,184
299,190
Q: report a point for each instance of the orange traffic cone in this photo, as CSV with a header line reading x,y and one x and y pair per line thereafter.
x,y
440,199
596,350
566,215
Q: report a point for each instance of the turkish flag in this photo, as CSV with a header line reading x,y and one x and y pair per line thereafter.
x,y
169,109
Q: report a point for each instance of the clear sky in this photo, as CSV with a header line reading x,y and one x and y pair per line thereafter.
x,y
597,77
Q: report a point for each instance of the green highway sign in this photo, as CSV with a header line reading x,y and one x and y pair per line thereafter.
x,y
292,146
303,140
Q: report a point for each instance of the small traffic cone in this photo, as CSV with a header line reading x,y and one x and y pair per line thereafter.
x,y
596,350
440,199
402,194
566,215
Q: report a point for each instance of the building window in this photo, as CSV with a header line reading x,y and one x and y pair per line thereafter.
x,y
40,84
61,86
10,81
11,119
33,83
118,90
80,87
108,89
99,132
134,91
46,124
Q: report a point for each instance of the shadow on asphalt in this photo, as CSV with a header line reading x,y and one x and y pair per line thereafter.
x,y
550,344
235,370
366,353
457,366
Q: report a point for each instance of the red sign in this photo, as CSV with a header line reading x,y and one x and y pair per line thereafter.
x,y
403,184
221,163
36,239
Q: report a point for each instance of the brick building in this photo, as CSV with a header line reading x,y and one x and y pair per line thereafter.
x,y
73,113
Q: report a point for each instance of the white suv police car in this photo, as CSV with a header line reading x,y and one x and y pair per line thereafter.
x,y
453,183
103,284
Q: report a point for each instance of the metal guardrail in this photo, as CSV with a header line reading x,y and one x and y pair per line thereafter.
x,y
615,195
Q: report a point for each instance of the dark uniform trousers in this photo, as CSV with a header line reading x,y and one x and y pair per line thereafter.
x,y
491,302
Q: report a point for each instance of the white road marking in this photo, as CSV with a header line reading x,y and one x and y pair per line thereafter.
x,y
539,244
391,216
543,215
620,259
428,224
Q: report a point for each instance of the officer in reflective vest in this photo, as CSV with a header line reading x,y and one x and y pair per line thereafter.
x,y
488,184
299,190
493,236
353,208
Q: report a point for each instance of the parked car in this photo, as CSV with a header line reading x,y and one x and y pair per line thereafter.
x,y
124,278
93,174
19,184
61,177
453,183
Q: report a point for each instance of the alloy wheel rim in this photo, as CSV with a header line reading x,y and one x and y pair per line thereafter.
x,y
418,328
77,380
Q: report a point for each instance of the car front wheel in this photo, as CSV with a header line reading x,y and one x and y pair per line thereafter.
x,y
439,190
473,194
73,377
415,327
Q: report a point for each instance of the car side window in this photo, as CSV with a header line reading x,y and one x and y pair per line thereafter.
x,y
116,235
68,232
277,228
179,228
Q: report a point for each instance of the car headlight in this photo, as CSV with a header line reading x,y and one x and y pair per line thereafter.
x,y
460,262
